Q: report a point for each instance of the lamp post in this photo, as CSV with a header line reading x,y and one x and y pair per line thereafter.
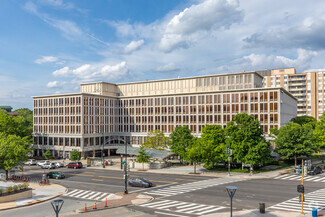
x,y
103,143
57,205
231,192
125,170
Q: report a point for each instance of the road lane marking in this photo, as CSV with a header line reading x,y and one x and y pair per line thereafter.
x,y
192,180
164,213
99,180
76,174
91,172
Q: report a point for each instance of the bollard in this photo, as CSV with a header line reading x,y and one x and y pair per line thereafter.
x,y
95,207
314,212
85,209
262,207
106,202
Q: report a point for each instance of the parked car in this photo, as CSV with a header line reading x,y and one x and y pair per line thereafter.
x,y
48,165
31,162
42,162
140,182
59,164
314,170
55,175
74,165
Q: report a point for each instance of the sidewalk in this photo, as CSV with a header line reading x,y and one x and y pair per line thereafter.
x,y
187,170
117,200
40,194
256,213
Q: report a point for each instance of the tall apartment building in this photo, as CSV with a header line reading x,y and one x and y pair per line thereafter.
x,y
105,116
307,87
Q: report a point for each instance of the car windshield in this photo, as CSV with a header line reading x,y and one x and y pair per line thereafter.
x,y
143,179
58,173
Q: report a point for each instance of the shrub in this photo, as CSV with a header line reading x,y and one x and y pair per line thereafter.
x,y
20,187
1,191
25,185
15,188
9,189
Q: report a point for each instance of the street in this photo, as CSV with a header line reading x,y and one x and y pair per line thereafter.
x,y
179,195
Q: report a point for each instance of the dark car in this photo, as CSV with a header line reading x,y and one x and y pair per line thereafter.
x,y
74,165
55,175
140,182
314,170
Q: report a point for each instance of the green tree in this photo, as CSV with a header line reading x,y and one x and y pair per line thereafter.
x,y
301,120
293,141
47,154
156,140
143,157
319,131
245,136
213,144
75,155
8,125
179,141
25,120
13,151
194,152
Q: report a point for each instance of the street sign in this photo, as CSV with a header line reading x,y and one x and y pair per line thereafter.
x,y
228,150
301,189
123,162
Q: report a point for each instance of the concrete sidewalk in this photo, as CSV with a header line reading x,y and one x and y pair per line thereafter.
x,y
268,213
40,194
117,200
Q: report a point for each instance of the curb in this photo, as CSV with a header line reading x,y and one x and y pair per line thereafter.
x,y
33,203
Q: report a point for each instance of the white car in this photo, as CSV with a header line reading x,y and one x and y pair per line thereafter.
x,y
58,164
48,165
42,162
31,162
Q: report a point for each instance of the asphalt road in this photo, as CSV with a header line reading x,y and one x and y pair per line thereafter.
x,y
201,193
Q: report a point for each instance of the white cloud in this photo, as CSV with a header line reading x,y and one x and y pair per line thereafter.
x,y
167,68
133,46
62,72
255,62
46,59
94,72
57,3
182,29
52,84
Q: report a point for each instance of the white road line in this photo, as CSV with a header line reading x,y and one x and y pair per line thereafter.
x,y
204,208
317,180
94,195
170,214
102,197
211,210
79,195
280,177
70,192
146,204
78,192
164,207
288,177
187,209
164,204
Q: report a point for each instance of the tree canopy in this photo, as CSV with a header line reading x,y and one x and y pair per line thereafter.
x,y
246,139
143,157
156,140
179,140
213,144
14,151
22,125
47,154
319,131
25,118
301,120
294,140
194,152
75,155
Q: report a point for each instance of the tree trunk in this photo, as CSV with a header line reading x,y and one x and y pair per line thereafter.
x,y
142,165
296,161
6,174
242,165
194,167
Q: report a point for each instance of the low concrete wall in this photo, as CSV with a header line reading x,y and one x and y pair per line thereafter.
x,y
16,196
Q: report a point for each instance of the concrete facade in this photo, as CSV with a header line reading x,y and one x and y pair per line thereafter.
x,y
105,116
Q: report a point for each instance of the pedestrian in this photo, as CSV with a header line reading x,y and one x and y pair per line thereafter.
x,y
251,170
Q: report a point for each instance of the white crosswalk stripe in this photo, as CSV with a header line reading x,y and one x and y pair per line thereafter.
x,y
183,207
296,177
192,186
313,199
88,195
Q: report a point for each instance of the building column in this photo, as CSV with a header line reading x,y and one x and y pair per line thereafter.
x,y
109,152
94,153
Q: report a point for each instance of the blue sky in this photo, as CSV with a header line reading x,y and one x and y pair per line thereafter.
x,y
50,46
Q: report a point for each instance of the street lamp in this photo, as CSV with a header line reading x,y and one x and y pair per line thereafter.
x,y
126,170
231,192
103,143
57,205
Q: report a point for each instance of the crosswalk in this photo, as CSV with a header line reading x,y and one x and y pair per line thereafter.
x,y
192,186
313,199
87,195
316,178
183,207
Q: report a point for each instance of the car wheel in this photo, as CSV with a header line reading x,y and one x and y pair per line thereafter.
x,y
74,167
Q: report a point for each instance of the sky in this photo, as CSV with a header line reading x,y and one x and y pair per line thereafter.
x,y
51,46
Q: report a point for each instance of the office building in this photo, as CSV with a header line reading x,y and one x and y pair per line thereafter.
x,y
104,116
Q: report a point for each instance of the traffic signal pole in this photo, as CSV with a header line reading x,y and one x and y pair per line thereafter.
x,y
302,182
126,170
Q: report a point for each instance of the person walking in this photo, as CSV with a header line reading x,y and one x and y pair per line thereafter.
x,y
251,170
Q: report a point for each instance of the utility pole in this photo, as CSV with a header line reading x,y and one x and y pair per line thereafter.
x,y
125,170
302,183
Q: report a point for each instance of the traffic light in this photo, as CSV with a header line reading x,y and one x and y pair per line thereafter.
x,y
301,189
